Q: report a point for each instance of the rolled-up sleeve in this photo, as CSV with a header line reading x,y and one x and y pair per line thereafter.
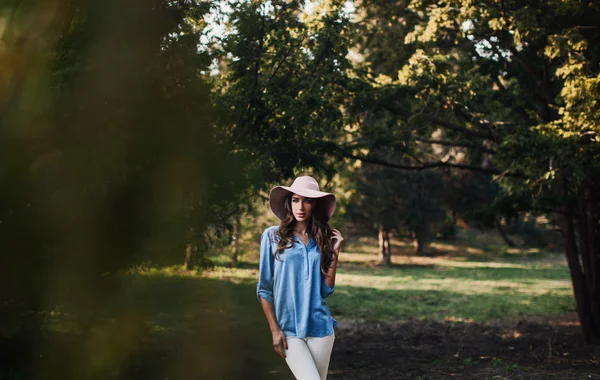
x,y
264,287
325,289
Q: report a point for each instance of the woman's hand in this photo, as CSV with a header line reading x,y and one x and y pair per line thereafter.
x,y
279,343
337,236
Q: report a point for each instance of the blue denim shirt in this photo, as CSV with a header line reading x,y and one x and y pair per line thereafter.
x,y
294,284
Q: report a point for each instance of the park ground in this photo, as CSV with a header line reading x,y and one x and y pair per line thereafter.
x,y
471,309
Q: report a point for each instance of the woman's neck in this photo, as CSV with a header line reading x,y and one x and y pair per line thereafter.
x,y
300,228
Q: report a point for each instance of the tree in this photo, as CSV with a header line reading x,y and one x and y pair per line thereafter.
x,y
282,85
372,207
514,86
409,203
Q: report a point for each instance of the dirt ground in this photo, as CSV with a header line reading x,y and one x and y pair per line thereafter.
x,y
450,350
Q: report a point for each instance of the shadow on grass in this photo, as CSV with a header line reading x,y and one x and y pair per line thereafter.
x,y
247,265
167,327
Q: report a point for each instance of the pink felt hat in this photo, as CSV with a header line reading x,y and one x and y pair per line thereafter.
x,y
307,187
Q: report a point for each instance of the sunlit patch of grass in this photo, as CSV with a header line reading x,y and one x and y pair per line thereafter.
x,y
166,271
373,259
522,251
448,248
457,319
234,275
457,285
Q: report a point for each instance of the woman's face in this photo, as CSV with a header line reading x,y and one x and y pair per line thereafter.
x,y
301,207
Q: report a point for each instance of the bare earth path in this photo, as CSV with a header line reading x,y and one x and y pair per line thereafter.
x,y
449,350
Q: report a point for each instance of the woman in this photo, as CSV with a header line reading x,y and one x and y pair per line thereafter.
x,y
298,261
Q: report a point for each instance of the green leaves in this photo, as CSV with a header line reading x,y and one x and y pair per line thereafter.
x,y
521,79
284,84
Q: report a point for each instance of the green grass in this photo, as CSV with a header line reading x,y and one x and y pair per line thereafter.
x,y
462,283
181,318
477,286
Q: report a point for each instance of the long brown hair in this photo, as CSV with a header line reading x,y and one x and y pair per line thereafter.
x,y
317,228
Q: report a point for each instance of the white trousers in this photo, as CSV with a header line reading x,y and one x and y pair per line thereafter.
x,y
308,358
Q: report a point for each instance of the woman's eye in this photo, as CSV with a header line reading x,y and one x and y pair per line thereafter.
x,y
308,200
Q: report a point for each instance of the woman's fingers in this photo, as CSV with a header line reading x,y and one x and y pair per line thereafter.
x,y
280,347
338,238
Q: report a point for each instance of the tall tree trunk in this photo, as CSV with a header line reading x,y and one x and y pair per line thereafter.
x,y
589,246
235,239
502,232
584,258
422,245
191,256
389,248
422,241
384,246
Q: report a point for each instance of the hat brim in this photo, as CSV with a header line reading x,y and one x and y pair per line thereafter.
x,y
279,193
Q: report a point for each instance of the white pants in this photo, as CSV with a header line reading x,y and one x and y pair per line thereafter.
x,y
308,358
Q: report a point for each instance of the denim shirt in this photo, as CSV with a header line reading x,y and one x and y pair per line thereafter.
x,y
294,284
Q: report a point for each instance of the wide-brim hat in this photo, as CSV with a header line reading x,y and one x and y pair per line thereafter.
x,y
307,187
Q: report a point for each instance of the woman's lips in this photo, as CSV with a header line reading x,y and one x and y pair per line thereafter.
x,y
301,215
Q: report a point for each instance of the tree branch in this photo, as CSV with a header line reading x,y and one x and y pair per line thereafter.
x,y
428,165
443,124
468,116
455,144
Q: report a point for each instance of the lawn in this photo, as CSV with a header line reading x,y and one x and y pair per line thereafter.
x,y
169,324
459,283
